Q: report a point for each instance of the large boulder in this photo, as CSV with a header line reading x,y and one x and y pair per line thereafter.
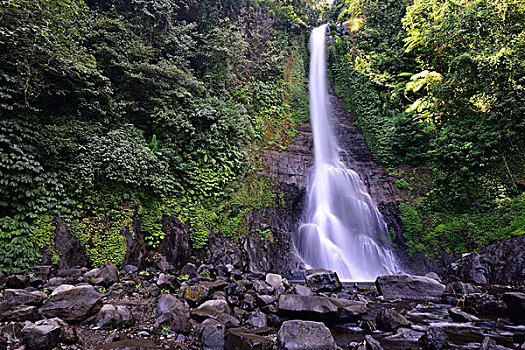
x,y
211,308
321,280
40,337
114,316
72,303
305,335
212,335
172,313
241,338
71,252
499,263
105,275
306,304
409,287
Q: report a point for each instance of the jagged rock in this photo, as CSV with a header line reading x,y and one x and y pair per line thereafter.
x,y
262,287
485,304
321,280
16,282
173,313
461,316
135,243
461,288
349,309
40,337
263,300
106,275
211,308
176,245
275,280
114,316
257,319
11,331
515,303
72,303
167,281
72,253
20,313
390,320
228,321
248,302
302,290
409,287
195,294
241,339
372,344
305,335
489,344
434,339
212,335
499,263
22,297
68,334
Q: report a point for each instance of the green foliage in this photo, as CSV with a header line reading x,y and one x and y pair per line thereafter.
x,y
42,236
102,237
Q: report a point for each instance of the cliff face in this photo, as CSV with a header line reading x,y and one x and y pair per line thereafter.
x,y
291,169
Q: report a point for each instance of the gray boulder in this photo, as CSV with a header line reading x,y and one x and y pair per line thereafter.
x,y
390,320
212,335
72,303
172,313
241,338
275,280
305,335
321,280
40,337
106,275
211,308
434,339
409,287
114,316
306,304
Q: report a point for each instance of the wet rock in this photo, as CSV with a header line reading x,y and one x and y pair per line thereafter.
x,y
241,339
41,337
257,319
302,290
499,263
211,308
106,275
305,335
515,303
461,288
461,316
262,287
16,282
434,276
22,297
114,316
212,335
390,320
72,303
195,294
172,313
489,344
372,344
321,280
275,280
485,304
20,313
349,310
306,304
434,339
409,287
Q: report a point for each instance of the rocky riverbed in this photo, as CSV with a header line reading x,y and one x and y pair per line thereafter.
x,y
222,307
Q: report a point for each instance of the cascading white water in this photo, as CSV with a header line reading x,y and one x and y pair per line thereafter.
x,y
343,229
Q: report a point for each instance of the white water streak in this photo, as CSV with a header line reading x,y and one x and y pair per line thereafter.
x,y
343,231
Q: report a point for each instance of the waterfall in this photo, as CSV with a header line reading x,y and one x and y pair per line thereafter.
x,y
343,230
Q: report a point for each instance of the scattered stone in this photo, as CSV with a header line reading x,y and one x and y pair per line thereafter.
x,y
262,287
68,334
409,287
434,339
11,331
257,319
72,303
305,335
114,316
106,275
130,269
211,308
172,313
485,304
372,344
16,282
188,269
306,304
434,276
167,281
302,290
22,297
239,338
390,320
41,272
41,337
20,313
515,303
195,294
275,280
321,280
212,335
461,316
228,321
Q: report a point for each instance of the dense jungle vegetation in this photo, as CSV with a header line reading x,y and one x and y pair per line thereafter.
x,y
121,110
440,86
